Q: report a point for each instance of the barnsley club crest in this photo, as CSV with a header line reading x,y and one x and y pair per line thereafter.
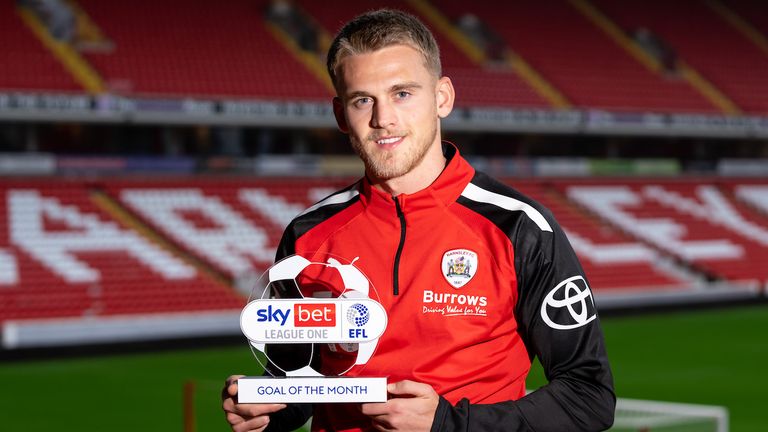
x,y
459,266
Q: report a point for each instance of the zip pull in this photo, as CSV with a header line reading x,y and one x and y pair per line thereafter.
x,y
396,269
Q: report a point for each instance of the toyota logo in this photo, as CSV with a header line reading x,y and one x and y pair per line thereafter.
x,y
571,295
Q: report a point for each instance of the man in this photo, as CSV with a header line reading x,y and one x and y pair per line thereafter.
x,y
460,339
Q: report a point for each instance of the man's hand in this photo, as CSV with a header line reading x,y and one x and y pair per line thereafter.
x,y
245,417
412,408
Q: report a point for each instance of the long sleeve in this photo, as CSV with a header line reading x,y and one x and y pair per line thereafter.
x,y
558,322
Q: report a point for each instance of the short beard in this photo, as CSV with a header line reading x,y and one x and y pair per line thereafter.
x,y
384,168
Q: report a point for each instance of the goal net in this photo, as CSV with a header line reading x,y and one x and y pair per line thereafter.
x,y
653,416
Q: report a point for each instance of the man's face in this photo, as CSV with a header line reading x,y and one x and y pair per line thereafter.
x,y
390,105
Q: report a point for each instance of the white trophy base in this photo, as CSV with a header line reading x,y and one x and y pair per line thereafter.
x,y
311,389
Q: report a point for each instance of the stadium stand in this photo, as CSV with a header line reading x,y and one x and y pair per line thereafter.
x,y
70,258
570,48
158,53
698,222
755,196
234,226
141,246
707,41
27,64
753,13
219,219
110,252
612,260
89,251
477,85
592,70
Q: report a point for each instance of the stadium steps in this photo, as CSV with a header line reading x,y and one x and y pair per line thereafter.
x,y
475,85
89,34
638,268
693,77
753,196
67,218
111,206
700,225
707,42
180,50
132,300
27,64
310,60
533,78
742,22
80,69
580,60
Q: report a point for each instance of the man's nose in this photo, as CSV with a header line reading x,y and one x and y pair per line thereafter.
x,y
383,115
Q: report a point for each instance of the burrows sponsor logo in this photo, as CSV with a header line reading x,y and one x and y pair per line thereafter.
x,y
452,304
459,266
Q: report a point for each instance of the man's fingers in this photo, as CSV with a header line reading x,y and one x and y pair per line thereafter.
x,y
234,419
230,388
249,417
400,389
253,410
382,426
254,424
268,408
408,387
245,417
233,378
374,409
228,404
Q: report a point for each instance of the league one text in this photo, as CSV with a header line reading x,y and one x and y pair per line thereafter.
x,y
353,319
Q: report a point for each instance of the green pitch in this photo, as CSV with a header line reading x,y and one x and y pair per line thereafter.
x,y
714,357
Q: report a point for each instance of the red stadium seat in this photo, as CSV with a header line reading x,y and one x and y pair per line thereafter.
x,y
612,260
579,59
27,64
207,49
156,54
74,259
125,247
697,222
475,85
707,41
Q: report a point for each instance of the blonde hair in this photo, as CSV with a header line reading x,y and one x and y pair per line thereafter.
x,y
382,28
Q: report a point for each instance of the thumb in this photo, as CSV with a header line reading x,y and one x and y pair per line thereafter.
x,y
408,387
230,388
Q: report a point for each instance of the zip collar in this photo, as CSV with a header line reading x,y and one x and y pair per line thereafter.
x,y
438,195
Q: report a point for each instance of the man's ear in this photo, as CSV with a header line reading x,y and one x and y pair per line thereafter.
x,y
445,95
338,112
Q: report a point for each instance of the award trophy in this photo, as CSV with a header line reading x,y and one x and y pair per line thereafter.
x,y
296,306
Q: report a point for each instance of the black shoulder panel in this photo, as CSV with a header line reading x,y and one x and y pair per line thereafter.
x,y
313,216
508,221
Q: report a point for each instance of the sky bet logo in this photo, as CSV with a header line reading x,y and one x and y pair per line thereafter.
x,y
314,315
276,314
304,315
316,321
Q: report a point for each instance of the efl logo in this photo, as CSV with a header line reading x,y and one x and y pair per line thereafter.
x,y
269,321
314,315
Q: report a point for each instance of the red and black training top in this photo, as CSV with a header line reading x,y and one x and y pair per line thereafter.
x,y
477,279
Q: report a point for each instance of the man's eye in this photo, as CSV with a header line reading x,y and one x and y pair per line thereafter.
x,y
362,101
402,94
